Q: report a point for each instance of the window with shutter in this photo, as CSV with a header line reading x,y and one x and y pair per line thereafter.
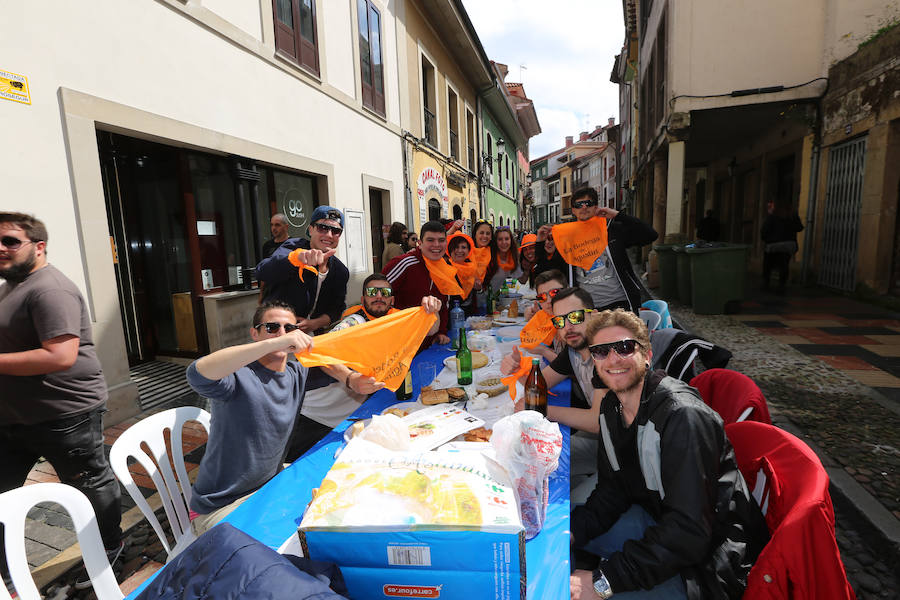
x,y
371,65
295,32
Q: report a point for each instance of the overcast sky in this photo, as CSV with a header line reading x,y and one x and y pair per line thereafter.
x,y
567,48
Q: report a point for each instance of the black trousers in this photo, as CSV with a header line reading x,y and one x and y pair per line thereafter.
x,y
779,262
305,435
74,446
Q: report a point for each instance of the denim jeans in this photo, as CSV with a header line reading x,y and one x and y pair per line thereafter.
x,y
631,526
74,446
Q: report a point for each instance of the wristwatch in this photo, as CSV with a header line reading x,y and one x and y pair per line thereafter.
x,y
601,585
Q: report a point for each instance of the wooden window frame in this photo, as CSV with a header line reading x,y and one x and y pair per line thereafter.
x,y
289,42
372,98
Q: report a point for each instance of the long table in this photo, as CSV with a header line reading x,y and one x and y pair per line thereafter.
x,y
274,512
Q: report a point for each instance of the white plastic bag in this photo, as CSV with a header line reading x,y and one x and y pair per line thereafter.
x,y
528,446
388,431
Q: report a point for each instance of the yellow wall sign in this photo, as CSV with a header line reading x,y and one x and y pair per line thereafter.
x,y
14,87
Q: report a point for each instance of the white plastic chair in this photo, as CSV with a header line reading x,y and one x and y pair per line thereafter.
x,y
14,506
175,493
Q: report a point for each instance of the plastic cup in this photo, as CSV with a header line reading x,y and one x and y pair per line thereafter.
x,y
427,373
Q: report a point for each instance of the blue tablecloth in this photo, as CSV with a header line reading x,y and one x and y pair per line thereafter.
x,y
273,513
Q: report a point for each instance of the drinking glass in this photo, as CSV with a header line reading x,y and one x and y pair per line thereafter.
x,y
427,373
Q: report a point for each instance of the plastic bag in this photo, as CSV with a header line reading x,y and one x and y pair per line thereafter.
x,y
388,431
528,446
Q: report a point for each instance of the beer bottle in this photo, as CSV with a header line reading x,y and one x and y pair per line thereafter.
x,y
464,360
405,391
536,389
490,300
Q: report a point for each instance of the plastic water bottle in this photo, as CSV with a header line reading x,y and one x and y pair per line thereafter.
x,y
457,320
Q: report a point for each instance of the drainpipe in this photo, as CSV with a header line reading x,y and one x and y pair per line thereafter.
x,y
813,187
407,189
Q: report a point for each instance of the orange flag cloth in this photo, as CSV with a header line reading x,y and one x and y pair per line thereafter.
x,y
294,259
581,242
444,276
465,271
538,330
482,258
383,348
523,370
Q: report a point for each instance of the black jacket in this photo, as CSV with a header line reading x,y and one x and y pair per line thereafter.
x,y
283,283
708,528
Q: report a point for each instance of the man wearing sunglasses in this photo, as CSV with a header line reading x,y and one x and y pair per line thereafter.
x,y
317,300
255,394
328,401
610,281
666,469
411,280
54,393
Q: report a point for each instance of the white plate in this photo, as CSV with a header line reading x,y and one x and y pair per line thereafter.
x,y
409,407
510,332
507,321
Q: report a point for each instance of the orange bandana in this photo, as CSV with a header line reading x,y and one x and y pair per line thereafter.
x,y
482,258
399,336
294,259
538,330
581,242
509,264
443,275
523,370
359,307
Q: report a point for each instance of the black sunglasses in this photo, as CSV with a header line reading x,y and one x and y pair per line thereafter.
x,y
322,228
576,317
385,292
274,327
13,243
583,203
623,348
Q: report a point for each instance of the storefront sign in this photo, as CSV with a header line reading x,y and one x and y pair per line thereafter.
x,y
295,209
430,184
14,87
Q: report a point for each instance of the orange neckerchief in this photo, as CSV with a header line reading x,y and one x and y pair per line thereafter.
x,y
581,242
294,259
482,258
523,370
398,336
465,271
509,265
359,307
443,275
538,330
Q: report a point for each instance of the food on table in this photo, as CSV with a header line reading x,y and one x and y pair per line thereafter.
x,y
479,359
357,428
456,393
479,434
481,324
492,386
512,311
398,412
430,396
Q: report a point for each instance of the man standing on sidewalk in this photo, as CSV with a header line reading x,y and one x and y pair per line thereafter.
x,y
54,393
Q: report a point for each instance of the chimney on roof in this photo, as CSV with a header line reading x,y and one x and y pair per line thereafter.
x,y
583,136
612,121
569,141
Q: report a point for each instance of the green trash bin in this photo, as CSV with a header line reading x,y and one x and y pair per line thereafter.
x,y
717,276
668,277
683,274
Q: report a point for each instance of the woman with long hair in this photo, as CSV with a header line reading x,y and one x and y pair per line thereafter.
x,y
396,242
504,259
459,255
547,258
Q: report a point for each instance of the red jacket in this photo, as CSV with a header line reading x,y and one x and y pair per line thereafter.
x,y
411,281
801,560
729,393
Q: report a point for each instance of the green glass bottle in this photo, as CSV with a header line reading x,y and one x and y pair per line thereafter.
x,y
463,360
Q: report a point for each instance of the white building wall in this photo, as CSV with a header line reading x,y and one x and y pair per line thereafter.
x,y
179,73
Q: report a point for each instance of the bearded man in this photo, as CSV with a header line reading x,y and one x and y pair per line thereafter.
x,y
671,513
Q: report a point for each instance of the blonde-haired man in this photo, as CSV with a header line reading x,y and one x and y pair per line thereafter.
x,y
670,486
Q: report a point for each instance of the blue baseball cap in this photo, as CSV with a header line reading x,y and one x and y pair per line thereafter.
x,y
327,212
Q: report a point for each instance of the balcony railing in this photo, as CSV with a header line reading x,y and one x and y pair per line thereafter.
x,y
454,144
430,127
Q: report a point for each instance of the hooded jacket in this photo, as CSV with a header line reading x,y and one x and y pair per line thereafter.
x,y
676,463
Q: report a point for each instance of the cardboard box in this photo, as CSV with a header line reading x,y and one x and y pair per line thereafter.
x,y
418,525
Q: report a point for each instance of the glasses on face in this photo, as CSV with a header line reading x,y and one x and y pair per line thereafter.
x,y
623,348
274,327
583,203
576,317
385,292
548,295
323,228
13,243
